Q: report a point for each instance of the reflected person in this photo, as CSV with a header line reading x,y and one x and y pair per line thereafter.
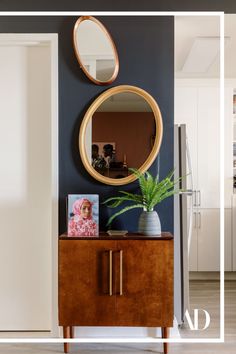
x,y
98,162
108,154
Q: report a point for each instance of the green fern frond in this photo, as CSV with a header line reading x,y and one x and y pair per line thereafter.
x,y
116,201
153,191
123,211
141,180
136,197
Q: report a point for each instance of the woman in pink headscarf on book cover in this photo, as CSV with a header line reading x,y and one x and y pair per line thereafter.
x,y
82,223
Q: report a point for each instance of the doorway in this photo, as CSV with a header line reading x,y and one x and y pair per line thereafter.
x,y
28,188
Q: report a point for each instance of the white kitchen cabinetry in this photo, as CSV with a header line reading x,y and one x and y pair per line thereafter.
x,y
208,221
198,108
197,104
205,244
208,147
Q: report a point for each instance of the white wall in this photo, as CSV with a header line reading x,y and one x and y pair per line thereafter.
x,y
25,188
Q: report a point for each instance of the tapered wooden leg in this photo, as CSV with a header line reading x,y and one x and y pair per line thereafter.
x,y
165,334
71,332
66,334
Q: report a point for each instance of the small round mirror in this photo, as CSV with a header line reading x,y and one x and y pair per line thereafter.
x,y
95,50
122,129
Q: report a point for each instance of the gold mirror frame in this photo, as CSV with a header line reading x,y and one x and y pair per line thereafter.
x,y
103,28
157,142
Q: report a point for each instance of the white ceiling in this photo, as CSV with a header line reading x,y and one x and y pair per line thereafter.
x,y
188,29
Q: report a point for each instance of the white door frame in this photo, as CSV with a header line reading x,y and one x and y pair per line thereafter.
x,y
51,40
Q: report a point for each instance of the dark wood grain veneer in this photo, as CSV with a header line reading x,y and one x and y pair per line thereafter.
x,y
116,281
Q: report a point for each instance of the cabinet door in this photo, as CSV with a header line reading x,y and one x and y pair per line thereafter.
x,y
84,283
147,283
209,147
208,240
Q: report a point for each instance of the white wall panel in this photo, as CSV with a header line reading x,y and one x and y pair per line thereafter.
x,y
25,188
209,146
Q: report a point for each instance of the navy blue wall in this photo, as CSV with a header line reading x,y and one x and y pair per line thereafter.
x,y
146,52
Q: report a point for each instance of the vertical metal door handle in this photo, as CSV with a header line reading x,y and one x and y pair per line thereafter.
x,y
195,220
199,220
110,272
194,198
121,272
199,198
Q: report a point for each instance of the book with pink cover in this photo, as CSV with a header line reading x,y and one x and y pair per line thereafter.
x,y
83,215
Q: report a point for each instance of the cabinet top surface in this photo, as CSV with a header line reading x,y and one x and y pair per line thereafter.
x,y
129,236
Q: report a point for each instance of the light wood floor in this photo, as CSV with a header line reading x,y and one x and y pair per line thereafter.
x,y
203,295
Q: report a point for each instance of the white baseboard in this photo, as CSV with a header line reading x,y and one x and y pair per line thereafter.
x,y
97,332
125,332
25,335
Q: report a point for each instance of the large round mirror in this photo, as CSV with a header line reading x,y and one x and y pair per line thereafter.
x,y
122,129
95,50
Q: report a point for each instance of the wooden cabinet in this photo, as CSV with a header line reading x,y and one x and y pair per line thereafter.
x,y
84,283
116,282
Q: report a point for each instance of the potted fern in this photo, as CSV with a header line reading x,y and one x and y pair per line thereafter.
x,y
153,192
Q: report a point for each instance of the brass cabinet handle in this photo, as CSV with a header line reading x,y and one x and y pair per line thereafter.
x,y
121,272
110,272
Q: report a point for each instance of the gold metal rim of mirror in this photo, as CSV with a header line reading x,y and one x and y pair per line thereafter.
x,y
156,145
103,28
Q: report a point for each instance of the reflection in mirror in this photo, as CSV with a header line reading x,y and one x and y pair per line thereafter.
x,y
121,129
120,135
95,50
